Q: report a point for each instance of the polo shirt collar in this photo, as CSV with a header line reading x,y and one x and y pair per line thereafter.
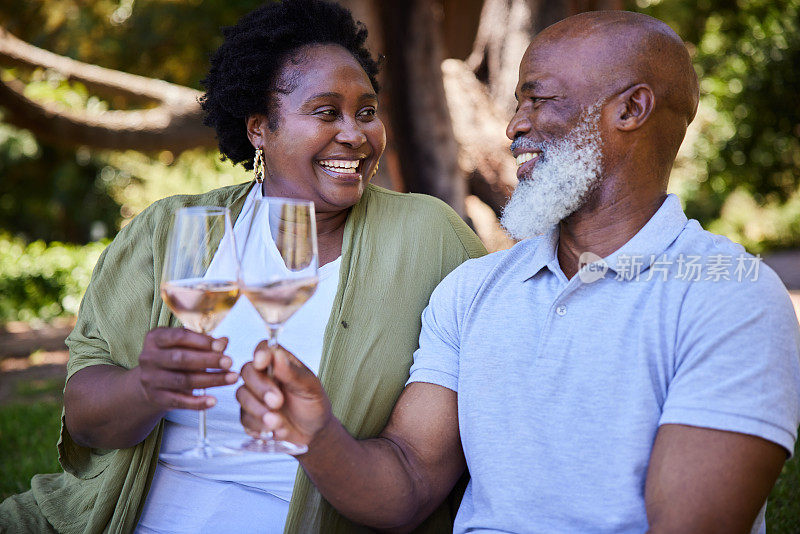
x,y
648,243
544,254
653,239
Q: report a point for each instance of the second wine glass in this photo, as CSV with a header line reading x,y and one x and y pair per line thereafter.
x,y
281,255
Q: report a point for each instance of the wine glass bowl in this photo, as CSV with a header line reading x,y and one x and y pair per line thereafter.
x,y
280,253
200,305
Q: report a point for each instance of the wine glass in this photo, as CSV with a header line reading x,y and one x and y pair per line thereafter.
x,y
199,284
280,255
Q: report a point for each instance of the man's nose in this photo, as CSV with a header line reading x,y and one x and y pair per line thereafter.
x,y
350,134
519,125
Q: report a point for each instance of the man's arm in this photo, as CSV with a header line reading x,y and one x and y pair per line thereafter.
x,y
392,482
707,481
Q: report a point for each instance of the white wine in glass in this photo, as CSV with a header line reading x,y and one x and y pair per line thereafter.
x,y
200,237
282,241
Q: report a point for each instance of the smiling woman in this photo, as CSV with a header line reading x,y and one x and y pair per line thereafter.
x,y
292,94
322,138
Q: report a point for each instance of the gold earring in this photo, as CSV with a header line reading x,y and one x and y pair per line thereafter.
x,y
374,171
258,165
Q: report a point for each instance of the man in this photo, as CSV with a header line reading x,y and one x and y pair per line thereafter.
x,y
629,393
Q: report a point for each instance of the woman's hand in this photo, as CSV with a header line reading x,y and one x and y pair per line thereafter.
x,y
174,361
289,401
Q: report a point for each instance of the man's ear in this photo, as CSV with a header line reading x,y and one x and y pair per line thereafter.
x,y
256,126
633,107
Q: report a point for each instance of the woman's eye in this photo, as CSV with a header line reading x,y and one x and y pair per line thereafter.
x,y
326,112
368,112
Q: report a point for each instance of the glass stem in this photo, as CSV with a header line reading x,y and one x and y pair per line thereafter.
x,y
272,339
272,342
202,434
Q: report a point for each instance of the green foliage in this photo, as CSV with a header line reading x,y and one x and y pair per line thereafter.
x,y
137,180
28,437
746,54
42,281
166,39
52,193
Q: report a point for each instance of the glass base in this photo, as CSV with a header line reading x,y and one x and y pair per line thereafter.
x,y
198,454
271,446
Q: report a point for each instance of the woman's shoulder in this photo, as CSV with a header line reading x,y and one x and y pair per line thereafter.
x,y
158,210
406,201
152,223
222,196
433,217
418,207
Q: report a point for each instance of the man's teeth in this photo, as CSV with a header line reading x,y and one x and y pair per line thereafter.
x,y
526,157
346,166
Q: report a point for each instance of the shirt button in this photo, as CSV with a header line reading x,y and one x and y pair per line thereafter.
x,y
561,310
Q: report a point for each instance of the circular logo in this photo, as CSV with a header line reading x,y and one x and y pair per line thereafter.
x,y
591,267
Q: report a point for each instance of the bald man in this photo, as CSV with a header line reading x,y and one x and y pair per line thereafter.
x,y
618,370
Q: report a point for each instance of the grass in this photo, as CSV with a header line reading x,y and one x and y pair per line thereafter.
x,y
28,437
783,508
29,432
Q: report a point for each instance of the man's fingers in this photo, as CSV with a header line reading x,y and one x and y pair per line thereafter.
x,y
262,386
253,425
287,368
254,413
181,337
262,356
250,404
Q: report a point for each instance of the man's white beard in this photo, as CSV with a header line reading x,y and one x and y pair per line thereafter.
x,y
559,182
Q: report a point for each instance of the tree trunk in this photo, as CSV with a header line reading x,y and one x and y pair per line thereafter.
x,y
427,150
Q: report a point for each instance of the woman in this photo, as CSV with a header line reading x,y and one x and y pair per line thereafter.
x,y
292,88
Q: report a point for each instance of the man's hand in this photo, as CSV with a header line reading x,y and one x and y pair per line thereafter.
x,y
175,361
393,481
282,396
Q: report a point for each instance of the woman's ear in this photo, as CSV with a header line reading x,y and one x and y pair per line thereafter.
x,y
633,107
256,125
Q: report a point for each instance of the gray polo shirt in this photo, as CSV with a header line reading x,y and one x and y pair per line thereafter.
x,y
562,384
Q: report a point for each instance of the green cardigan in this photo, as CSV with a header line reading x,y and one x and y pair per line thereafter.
x,y
396,249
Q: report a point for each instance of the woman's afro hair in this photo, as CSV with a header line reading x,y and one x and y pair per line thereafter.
x,y
245,69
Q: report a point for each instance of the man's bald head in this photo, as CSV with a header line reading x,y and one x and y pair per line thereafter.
x,y
619,49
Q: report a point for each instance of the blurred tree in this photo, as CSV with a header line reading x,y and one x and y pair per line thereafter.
x,y
44,192
747,54
159,39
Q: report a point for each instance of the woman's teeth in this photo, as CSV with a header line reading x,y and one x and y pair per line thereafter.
x,y
526,157
346,166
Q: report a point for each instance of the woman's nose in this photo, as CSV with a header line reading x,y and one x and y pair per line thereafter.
x,y
351,135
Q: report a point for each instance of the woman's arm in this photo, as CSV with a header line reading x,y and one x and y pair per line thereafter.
x,y
110,407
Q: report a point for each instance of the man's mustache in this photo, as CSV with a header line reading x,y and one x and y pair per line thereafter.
x,y
524,143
